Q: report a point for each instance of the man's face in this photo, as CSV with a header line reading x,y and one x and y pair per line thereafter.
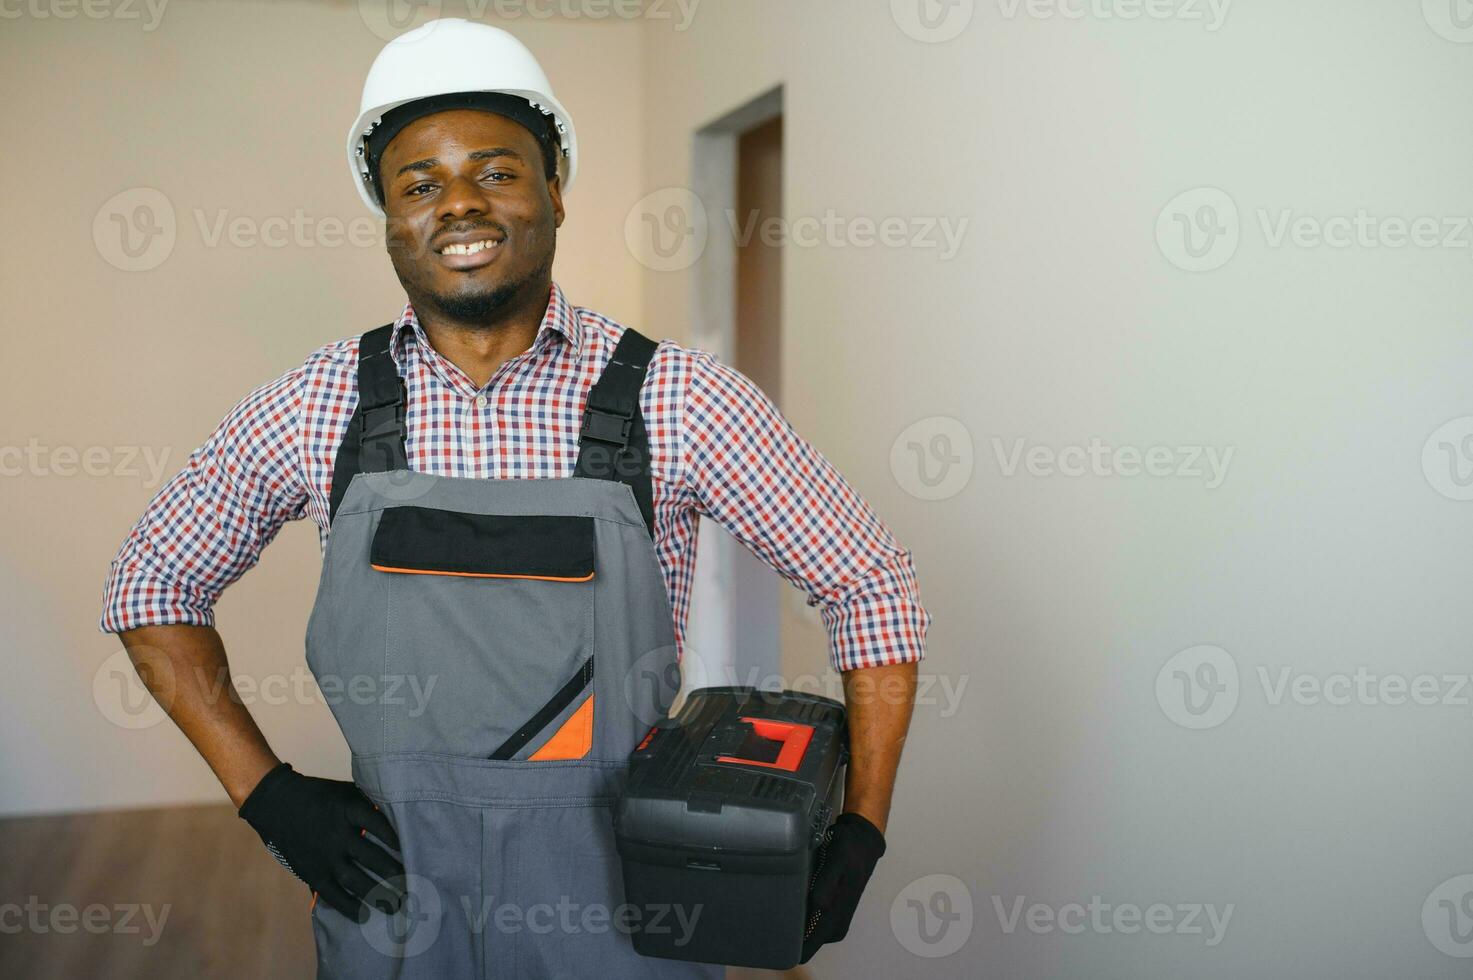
x,y
472,220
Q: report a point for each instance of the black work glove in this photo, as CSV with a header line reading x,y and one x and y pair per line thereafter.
x,y
316,829
847,858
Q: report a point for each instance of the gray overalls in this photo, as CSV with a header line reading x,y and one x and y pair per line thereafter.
x,y
533,617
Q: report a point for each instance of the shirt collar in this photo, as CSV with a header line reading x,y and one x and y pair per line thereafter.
x,y
560,319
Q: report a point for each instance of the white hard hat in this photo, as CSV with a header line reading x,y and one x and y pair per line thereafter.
x,y
443,57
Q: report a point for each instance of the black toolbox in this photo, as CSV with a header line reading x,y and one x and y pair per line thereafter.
x,y
725,807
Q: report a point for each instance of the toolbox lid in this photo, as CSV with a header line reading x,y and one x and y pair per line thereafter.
x,y
739,772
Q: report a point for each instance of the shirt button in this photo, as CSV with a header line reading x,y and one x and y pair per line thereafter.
x,y
480,401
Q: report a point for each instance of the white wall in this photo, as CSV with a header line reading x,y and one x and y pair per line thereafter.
x,y
1061,319
228,109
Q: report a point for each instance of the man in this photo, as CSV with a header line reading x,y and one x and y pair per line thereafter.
x,y
437,450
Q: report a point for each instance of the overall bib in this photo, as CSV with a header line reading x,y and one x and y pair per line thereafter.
x,y
492,651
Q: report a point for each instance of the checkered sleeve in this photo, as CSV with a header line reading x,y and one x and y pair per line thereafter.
x,y
208,525
749,471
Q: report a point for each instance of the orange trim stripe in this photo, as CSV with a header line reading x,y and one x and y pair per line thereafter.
x,y
572,740
426,571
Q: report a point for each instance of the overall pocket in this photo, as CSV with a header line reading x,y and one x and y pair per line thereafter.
x,y
489,631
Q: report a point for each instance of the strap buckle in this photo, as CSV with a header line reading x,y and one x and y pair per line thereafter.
x,y
383,422
381,443
606,426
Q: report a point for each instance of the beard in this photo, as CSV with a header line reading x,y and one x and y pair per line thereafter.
x,y
476,306
483,306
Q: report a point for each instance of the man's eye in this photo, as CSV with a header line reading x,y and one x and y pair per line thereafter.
x,y
498,173
419,187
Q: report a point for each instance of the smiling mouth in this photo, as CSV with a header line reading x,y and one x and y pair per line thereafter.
x,y
468,248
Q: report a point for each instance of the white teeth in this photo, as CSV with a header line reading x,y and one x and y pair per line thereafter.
x,y
469,249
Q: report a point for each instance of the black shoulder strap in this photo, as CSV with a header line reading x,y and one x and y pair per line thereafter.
x,y
613,444
374,441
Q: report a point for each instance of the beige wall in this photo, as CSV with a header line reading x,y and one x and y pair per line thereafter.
x,y
233,109
1057,599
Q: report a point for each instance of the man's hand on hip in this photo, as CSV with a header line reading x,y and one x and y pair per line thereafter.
x,y
318,829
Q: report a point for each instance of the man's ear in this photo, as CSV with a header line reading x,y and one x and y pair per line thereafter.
x,y
555,192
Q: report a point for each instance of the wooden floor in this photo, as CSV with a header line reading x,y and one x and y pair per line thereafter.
x,y
221,906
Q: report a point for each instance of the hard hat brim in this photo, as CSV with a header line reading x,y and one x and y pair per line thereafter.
x,y
568,165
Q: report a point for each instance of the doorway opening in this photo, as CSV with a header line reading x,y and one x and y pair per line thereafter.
x,y
737,170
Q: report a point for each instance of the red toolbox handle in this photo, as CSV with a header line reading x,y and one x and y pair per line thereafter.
x,y
795,739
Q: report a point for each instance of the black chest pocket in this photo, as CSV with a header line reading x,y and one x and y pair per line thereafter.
x,y
489,617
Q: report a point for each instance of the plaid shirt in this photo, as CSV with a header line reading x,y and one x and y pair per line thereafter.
x,y
719,448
